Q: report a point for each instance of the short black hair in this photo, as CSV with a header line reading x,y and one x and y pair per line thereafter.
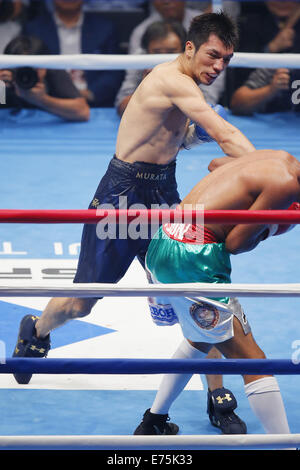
x,y
219,23
26,45
160,30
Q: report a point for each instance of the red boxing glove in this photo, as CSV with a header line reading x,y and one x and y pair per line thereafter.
x,y
283,228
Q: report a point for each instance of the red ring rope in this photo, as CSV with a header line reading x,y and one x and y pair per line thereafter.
x,y
92,216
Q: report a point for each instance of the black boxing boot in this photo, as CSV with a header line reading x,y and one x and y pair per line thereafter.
x,y
220,405
156,424
28,345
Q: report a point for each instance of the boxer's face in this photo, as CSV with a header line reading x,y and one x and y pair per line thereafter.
x,y
209,60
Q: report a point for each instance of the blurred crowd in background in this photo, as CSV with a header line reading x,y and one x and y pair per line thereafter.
x,y
140,27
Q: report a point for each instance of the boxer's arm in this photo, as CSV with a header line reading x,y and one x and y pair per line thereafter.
x,y
187,96
195,135
245,237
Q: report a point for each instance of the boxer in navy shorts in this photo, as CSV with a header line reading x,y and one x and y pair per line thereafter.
x,y
166,113
107,260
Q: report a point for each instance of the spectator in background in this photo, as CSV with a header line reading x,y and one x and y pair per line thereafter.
x,y
174,10
266,91
50,90
11,17
167,10
161,37
231,7
66,28
275,29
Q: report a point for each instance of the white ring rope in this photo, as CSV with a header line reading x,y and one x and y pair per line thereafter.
x,y
138,61
185,442
170,290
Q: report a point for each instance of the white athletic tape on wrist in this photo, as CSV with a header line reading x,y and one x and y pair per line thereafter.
x,y
192,139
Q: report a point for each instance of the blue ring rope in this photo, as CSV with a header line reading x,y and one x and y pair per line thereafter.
x,y
149,366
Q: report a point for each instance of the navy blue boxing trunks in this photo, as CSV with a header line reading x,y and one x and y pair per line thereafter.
x,y
105,256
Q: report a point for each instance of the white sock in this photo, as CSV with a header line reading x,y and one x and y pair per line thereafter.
x,y
266,402
173,384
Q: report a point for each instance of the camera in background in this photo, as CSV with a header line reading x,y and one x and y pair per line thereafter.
x,y
26,77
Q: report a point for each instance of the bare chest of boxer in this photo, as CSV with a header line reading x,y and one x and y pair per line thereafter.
x,y
152,128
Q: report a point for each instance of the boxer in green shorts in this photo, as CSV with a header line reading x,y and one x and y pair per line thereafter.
x,y
187,253
195,253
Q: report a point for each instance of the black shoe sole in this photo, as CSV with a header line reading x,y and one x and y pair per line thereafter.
x,y
171,430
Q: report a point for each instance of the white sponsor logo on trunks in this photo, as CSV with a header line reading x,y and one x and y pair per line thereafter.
x,y
162,314
177,230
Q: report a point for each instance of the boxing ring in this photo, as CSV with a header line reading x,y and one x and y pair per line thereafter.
x,y
46,224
